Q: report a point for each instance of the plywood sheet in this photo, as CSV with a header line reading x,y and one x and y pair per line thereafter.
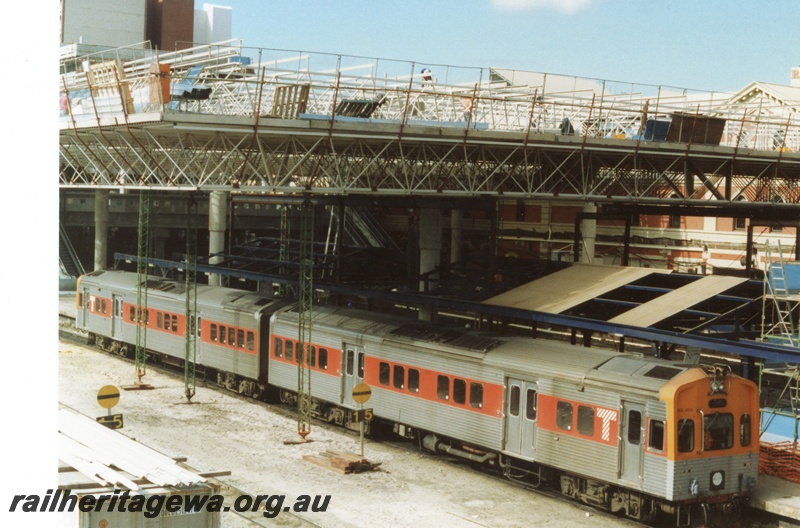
x,y
683,298
562,290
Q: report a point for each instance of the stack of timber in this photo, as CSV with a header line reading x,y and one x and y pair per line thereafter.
x,y
342,462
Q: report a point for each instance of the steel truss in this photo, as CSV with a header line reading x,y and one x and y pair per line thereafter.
x,y
340,158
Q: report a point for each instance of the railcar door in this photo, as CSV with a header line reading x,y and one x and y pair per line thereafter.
x,y
352,371
116,317
632,443
521,402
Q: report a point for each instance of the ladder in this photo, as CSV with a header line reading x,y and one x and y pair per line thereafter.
x,y
779,291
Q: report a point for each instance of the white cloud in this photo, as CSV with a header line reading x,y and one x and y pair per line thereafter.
x,y
565,6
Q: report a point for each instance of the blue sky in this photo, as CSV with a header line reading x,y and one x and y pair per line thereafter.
x,y
712,45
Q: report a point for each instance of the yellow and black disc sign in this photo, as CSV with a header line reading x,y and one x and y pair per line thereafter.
x,y
108,396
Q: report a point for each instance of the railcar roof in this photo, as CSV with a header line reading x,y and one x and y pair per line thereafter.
x,y
511,353
212,295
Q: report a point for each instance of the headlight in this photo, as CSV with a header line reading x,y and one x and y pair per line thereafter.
x,y
717,386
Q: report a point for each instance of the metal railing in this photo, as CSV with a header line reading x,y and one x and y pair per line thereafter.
x,y
230,80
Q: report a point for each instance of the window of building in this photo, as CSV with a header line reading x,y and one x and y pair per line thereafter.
x,y
531,402
398,377
685,435
443,387
277,347
459,391
564,415
585,420
476,395
513,401
744,430
384,372
656,435
413,380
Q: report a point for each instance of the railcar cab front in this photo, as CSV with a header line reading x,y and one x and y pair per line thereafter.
x,y
711,427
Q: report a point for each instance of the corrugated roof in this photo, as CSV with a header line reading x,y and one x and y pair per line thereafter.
x,y
112,459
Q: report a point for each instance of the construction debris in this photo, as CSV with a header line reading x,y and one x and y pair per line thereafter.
x,y
342,462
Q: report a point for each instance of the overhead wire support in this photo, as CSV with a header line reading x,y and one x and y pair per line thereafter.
x,y
190,355
305,351
142,262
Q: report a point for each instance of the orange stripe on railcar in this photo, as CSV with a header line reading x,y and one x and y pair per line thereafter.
x,y
427,387
578,419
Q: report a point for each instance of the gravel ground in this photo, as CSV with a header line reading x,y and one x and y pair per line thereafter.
x,y
222,432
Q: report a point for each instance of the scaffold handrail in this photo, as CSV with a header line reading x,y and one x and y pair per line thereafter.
x,y
243,80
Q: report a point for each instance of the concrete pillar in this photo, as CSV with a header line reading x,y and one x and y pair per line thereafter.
x,y
217,222
101,228
456,232
589,233
430,248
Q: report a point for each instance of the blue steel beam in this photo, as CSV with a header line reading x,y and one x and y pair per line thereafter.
x,y
744,347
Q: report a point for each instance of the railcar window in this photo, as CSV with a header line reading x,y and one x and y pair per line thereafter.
x,y
531,403
564,415
103,304
231,335
685,436
323,359
132,314
277,347
223,334
350,362
718,431
240,338
160,320
585,420
656,435
459,390
398,377
634,427
443,387
199,327
147,317
744,430
361,365
413,380
476,395
174,323
251,341
289,350
513,401
312,356
213,332
383,373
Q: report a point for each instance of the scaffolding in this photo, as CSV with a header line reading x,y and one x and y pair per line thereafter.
x,y
781,415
